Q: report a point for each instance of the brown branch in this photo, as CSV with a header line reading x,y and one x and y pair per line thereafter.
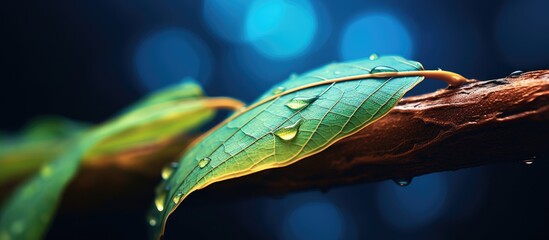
x,y
483,122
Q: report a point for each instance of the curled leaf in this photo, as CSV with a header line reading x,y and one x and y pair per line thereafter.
x,y
173,111
41,140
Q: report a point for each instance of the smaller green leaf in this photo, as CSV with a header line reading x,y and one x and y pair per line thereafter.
x,y
173,111
27,214
51,127
186,89
40,141
162,116
47,137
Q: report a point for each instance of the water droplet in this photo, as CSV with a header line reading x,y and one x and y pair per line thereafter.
x,y
152,221
379,69
177,198
293,76
300,103
373,56
160,200
439,69
279,90
168,170
529,161
515,74
403,182
203,162
45,171
289,132
337,72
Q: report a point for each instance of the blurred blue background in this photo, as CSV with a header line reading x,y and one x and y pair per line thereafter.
x,y
88,59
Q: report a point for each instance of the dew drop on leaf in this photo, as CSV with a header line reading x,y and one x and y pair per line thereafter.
x,y
45,171
177,198
403,182
373,56
203,162
529,161
152,221
278,90
300,103
169,169
379,69
288,133
515,74
160,200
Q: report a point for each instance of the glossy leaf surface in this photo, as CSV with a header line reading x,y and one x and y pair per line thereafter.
x,y
300,117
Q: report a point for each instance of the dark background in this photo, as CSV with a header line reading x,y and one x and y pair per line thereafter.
x,y
88,59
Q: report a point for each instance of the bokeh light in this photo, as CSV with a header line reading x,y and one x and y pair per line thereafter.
x,y
168,56
314,220
281,28
379,33
413,206
522,33
227,18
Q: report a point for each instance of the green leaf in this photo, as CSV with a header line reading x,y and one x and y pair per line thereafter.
x,y
28,212
161,116
48,127
41,140
186,89
298,118
155,119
